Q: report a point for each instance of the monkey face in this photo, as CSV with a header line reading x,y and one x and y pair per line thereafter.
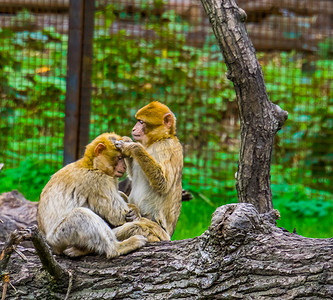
x,y
120,167
155,122
116,163
109,161
139,132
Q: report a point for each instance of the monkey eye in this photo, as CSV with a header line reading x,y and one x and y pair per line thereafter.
x,y
140,121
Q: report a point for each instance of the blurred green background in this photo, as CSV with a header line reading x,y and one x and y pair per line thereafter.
x,y
129,71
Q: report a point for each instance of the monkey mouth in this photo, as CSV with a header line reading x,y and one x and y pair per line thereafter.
x,y
119,173
136,136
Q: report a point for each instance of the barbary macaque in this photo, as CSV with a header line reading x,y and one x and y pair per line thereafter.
x,y
81,200
155,165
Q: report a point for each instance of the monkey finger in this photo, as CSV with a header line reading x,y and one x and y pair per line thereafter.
x,y
131,219
119,144
131,216
126,139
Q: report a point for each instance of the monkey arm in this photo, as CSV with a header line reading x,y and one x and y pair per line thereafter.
x,y
112,210
129,164
124,196
152,169
115,208
133,214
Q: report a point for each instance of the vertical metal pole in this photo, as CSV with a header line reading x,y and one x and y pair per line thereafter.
x,y
87,47
78,92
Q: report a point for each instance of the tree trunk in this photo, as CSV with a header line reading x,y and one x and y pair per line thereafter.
x,y
241,256
260,119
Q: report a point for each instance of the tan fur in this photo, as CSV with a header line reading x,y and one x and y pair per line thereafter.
x,y
155,167
79,197
153,115
149,229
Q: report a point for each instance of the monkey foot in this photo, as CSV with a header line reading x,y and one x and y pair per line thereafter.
x,y
75,252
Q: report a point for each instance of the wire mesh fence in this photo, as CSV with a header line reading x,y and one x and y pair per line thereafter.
x,y
33,51
165,50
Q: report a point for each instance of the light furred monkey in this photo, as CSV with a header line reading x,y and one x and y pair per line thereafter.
x,y
155,165
78,197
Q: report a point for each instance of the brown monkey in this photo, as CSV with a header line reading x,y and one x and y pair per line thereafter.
x,y
78,197
155,165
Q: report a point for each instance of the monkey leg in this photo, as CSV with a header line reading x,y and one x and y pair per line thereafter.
x,y
83,232
149,229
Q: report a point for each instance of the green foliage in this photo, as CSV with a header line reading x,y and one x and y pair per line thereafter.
x,y
129,72
194,219
29,178
33,86
310,216
326,48
305,142
134,71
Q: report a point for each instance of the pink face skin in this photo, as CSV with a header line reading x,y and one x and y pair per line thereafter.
x,y
138,132
120,167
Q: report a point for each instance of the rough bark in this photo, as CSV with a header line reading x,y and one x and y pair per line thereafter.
x,y
260,119
241,256
15,213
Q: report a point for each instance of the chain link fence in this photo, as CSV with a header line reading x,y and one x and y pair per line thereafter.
x,y
146,50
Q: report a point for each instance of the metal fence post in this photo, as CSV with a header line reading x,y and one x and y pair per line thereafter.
x,y
78,88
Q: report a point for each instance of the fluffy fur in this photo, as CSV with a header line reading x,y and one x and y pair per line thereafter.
x,y
156,174
155,166
79,197
153,115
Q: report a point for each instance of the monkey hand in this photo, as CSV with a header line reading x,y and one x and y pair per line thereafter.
x,y
126,148
133,213
126,139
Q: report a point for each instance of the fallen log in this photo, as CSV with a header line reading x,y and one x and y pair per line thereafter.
x,y
301,7
277,34
307,24
188,9
16,213
37,22
11,6
241,256
264,38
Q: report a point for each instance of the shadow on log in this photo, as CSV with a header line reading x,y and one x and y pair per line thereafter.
x,y
241,256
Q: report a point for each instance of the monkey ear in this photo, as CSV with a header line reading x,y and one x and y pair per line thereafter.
x,y
99,149
168,120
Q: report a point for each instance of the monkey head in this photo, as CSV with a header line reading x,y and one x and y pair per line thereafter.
x,y
103,155
155,121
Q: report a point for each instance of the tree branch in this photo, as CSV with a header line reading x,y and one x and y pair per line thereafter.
x,y
260,119
242,254
32,233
